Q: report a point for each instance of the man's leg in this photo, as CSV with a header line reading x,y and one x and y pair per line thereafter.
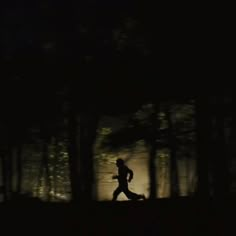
x,y
116,193
133,196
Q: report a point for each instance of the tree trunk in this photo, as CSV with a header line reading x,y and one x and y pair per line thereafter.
x,y
45,165
88,132
73,150
152,143
220,157
19,169
55,165
8,174
152,171
4,178
173,158
232,143
82,133
203,144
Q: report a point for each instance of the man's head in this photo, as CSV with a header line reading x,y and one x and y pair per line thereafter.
x,y
119,162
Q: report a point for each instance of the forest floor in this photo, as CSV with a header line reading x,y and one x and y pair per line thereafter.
x,y
183,216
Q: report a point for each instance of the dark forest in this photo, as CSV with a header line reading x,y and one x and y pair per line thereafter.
x,y
86,83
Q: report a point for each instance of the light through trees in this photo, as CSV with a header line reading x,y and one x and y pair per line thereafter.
x,y
128,140
45,165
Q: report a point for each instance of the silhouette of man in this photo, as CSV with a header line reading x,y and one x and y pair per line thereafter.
x,y
124,176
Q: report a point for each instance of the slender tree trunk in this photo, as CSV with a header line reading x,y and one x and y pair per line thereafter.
x,y
88,128
55,168
4,178
233,140
73,150
19,169
44,172
152,171
220,158
173,157
47,171
40,177
203,144
152,143
9,173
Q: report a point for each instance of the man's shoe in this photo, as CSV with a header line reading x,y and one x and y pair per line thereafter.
x,y
143,197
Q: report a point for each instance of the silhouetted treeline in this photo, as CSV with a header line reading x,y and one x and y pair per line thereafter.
x,y
64,67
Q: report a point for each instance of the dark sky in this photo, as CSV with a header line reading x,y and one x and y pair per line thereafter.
x,y
190,47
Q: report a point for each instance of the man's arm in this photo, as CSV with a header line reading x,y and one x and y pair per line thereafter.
x,y
131,174
115,177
